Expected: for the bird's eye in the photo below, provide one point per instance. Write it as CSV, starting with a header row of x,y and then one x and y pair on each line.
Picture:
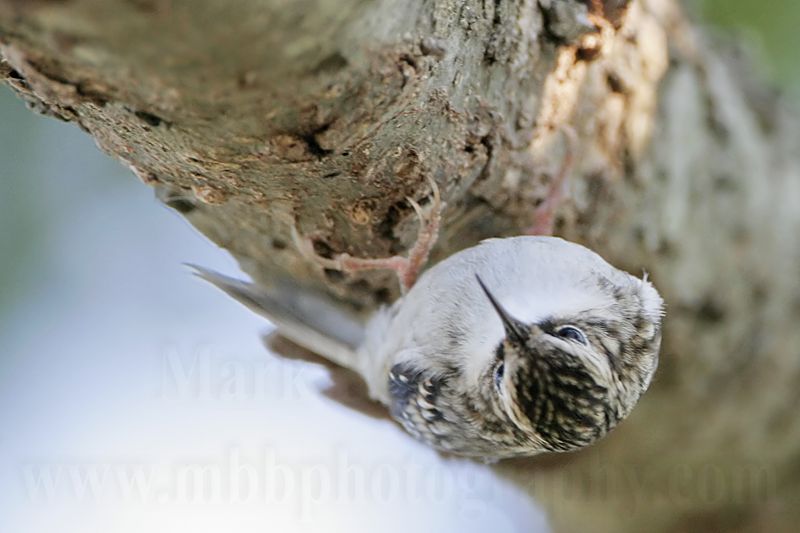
x,y
572,333
498,374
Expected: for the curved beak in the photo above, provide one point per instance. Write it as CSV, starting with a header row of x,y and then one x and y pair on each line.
x,y
514,328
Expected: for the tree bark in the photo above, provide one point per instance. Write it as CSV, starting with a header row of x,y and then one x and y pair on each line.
x,y
258,116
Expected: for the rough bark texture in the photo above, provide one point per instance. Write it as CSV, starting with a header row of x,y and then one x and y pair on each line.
x,y
255,116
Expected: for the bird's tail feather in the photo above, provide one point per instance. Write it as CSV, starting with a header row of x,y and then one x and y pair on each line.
x,y
304,318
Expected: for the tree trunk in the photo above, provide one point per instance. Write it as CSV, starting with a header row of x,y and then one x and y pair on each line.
x,y
258,116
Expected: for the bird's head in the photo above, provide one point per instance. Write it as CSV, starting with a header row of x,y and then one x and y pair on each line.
x,y
566,381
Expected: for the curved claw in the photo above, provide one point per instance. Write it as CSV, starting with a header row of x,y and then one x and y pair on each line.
x,y
544,215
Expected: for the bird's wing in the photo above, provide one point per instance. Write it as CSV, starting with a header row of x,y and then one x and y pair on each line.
x,y
304,318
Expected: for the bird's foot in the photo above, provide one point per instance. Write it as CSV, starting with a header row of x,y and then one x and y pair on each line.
x,y
544,215
407,268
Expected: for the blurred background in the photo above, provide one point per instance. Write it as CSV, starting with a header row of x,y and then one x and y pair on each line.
x,y
770,29
133,397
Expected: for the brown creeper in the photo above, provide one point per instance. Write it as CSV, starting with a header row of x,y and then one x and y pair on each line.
x,y
510,348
